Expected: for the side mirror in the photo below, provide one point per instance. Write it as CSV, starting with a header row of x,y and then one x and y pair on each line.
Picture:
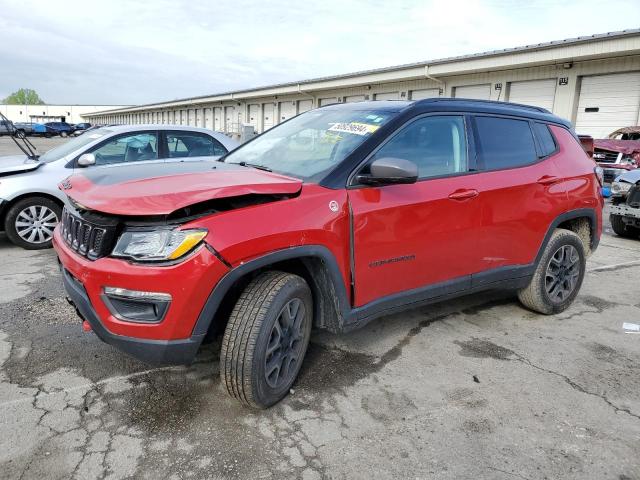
x,y
86,160
390,171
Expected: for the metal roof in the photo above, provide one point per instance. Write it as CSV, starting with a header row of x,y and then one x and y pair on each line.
x,y
439,61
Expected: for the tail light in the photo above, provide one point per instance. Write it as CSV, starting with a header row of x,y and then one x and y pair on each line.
x,y
599,173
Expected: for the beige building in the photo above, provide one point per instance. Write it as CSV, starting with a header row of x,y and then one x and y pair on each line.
x,y
592,81
52,113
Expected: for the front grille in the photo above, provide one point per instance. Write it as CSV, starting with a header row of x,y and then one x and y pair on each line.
x,y
605,156
88,239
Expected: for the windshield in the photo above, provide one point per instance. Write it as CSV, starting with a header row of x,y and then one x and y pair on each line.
x,y
311,144
72,145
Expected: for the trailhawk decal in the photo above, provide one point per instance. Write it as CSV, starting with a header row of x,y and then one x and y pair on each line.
x,y
386,261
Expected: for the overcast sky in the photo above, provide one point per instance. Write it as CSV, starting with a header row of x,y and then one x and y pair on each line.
x,y
125,52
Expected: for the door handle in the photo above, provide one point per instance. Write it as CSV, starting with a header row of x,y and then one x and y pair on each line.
x,y
548,180
463,194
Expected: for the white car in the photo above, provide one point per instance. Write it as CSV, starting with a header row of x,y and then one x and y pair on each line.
x,y
30,200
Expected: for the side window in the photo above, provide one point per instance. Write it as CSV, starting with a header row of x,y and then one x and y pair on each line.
x,y
437,145
127,148
545,139
193,144
504,143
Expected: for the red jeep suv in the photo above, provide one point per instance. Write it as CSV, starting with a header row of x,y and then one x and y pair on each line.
x,y
329,220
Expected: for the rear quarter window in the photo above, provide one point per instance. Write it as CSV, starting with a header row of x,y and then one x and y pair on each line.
x,y
545,139
504,143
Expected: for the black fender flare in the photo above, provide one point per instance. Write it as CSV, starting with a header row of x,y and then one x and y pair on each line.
x,y
221,289
590,213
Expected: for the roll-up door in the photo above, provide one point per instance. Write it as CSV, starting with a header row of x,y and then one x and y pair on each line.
x,y
254,114
305,105
539,93
328,101
267,116
387,96
287,110
425,93
608,102
480,92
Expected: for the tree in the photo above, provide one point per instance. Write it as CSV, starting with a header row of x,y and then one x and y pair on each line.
x,y
24,96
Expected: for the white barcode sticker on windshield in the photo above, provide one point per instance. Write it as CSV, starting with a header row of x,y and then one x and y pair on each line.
x,y
354,127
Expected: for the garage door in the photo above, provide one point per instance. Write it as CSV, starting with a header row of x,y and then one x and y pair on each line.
x,y
540,93
267,116
425,93
192,118
608,102
208,118
480,92
287,110
354,98
229,120
254,113
328,101
305,105
217,119
387,96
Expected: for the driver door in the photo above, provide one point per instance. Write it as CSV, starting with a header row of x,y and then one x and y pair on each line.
x,y
412,237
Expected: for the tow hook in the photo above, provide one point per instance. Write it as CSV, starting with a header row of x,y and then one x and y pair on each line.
x,y
86,326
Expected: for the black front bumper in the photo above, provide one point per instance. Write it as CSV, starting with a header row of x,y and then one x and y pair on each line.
x,y
160,352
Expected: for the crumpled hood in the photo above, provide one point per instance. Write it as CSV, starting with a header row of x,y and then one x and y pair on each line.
x,y
162,188
628,147
17,163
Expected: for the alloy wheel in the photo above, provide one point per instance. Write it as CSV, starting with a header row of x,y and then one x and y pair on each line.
x,y
35,224
562,273
285,344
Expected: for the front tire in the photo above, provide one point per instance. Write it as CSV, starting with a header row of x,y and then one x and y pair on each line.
x,y
621,229
30,222
64,134
558,276
266,339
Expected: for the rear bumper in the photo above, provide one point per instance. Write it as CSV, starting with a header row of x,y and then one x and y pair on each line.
x,y
158,352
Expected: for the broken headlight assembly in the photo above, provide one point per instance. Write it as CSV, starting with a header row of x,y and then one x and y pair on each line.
x,y
620,188
157,245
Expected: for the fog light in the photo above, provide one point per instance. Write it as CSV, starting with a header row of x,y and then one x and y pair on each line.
x,y
135,305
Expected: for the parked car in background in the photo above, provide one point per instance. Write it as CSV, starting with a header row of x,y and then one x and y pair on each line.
x,y
30,200
619,152
6,127
329,220
63,129
625,204
81,127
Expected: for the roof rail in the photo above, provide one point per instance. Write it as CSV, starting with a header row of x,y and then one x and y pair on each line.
x,y
491,102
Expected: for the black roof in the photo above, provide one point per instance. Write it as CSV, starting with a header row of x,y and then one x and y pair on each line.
x,y
446,104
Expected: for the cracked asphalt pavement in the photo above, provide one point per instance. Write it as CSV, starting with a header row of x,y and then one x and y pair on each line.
x,y
473,388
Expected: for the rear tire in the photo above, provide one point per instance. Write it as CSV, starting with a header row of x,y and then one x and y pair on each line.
x,y
558,276
621,229
266,339
42,213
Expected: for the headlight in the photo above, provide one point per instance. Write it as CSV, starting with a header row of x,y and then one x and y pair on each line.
x,y
157,245
620,187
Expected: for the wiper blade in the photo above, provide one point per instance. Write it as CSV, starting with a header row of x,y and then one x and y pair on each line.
x,y
254,165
